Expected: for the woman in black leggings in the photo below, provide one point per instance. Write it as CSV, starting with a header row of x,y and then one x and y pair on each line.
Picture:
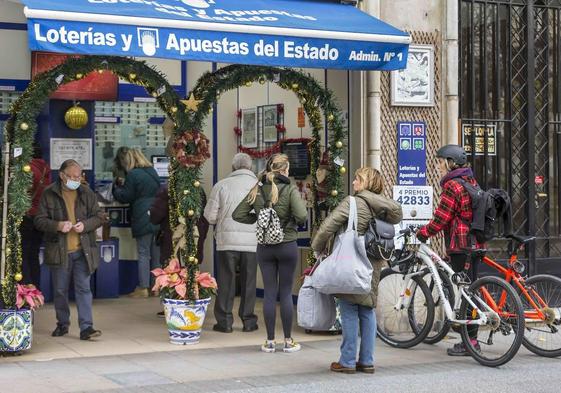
x,y
277,261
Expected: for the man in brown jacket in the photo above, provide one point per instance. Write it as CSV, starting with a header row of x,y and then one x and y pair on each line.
x,y
69,215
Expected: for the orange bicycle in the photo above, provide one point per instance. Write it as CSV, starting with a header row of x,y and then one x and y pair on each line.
x,y
540,296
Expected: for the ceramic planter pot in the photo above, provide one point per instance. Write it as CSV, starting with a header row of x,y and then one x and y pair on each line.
x,y
185,319
16,330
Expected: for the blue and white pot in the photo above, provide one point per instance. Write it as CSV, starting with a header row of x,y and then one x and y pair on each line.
x,y
184,319
16,330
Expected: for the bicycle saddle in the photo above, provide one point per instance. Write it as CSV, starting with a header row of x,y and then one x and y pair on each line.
x,y
521,239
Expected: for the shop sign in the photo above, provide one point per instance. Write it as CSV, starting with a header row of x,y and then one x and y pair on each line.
x,y
416,201
411,153
481,132
79,149
539,180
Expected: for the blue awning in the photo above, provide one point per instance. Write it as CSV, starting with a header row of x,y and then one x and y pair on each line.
x,y
286,33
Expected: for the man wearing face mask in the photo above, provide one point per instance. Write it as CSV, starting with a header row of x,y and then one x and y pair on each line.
x,y
69,215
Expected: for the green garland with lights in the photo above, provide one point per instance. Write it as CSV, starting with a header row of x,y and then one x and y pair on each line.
x,y
184,182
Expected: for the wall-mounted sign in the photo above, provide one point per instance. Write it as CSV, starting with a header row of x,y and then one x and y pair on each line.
x,y
63,149
416,201
481,132
411,153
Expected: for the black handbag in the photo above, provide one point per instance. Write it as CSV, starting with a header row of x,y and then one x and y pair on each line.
x,y
378,238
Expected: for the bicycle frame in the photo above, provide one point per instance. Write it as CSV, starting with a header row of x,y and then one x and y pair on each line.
x,y
431,260
512,276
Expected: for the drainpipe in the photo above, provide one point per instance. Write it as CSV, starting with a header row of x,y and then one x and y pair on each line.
x,y
452,73
373,106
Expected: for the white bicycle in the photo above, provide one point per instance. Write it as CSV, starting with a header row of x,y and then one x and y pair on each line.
x,y
487,311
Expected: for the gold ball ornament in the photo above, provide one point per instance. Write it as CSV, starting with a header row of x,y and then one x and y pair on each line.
x,y
27,168
79,76
192,259
262,81
100,71
76,117
334,193
8,250
303,100
248,84
342,170
173,109
191,213
24,126
186,192
339,144
331,117
155,95
295,86
132,76
197,183
196,260
18,277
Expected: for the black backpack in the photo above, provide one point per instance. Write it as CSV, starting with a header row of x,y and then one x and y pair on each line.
x,y
379,237
488,208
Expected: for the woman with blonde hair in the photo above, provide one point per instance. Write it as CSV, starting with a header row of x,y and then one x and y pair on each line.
x,y
357,311
276,261
139,190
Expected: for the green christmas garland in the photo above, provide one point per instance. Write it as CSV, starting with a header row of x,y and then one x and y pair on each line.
x,y
184,182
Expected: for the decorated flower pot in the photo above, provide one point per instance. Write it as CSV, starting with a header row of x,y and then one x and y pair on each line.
x,y
184,319
16,330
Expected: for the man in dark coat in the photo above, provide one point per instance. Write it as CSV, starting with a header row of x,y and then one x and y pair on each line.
x,y
69,216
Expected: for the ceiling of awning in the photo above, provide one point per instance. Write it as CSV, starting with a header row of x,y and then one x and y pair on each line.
x,y
289,33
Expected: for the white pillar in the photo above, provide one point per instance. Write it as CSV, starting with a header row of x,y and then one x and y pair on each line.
x,y
452,73
373,106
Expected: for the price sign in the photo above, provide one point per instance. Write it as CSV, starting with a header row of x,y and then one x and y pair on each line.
x,y
416,201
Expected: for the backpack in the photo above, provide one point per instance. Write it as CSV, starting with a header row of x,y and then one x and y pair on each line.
x,y
379,238
269,229
487,207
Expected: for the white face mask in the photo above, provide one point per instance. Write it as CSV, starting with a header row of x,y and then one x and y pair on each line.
x,y
72,184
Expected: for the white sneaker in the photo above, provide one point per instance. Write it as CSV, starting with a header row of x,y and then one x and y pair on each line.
x,y
269,346
291,346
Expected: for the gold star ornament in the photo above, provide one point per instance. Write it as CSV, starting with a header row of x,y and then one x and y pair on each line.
x,y
192,104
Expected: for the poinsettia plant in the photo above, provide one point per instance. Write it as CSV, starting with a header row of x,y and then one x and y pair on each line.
x,y
172,281
28,296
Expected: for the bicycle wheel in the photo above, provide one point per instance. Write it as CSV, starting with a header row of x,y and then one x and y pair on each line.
x,y
441,325
394,326
543,337
496,342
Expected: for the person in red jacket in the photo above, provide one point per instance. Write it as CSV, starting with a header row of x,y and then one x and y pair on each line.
x,y
453,217
31,238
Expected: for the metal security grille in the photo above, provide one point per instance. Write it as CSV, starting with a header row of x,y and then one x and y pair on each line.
x,y
510,91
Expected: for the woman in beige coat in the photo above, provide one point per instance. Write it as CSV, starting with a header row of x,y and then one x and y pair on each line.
x,y
357,311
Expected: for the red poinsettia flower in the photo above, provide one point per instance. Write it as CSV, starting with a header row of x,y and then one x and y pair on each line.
x,y
205,280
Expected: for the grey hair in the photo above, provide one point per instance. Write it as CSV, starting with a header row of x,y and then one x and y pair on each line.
x,y
241,161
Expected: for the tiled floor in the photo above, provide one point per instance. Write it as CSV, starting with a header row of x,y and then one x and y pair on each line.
x,y
130,326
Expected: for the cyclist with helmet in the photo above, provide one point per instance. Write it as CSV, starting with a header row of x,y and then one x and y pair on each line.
x,y
453,217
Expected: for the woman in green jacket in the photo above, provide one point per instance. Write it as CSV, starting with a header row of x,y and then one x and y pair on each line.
x,y
357,311
139,189
276,261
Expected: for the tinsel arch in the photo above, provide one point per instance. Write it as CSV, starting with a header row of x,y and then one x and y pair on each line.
x,y
184,187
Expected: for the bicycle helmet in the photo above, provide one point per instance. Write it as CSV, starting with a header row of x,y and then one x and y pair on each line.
x,y
453,152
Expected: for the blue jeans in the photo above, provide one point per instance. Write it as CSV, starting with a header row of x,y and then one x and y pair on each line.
x,y
78,269
353,318
148,258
